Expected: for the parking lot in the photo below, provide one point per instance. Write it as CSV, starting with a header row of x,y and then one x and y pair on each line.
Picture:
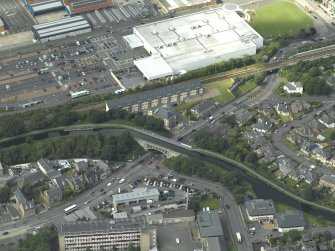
x,y
15,16
167,235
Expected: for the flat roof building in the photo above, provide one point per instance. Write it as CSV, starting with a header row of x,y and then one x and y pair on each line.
x,y
79,6
260,209
2,25
157,97
98,235
66,27
193,41
137,195
209,224
44,7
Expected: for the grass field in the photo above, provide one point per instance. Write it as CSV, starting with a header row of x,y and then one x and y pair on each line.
x,y
280,18
213,204
187,105
222,87
247,87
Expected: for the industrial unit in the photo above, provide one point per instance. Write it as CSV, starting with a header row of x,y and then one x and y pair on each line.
x,y
73,7
137,195
70,26
195,40
43,7
157,97
101,235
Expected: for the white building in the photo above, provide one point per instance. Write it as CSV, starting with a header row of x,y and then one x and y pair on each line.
x,y
137,195
193,41
258,210
294,87
290,221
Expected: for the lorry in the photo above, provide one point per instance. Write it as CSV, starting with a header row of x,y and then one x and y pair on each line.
x,y
238,237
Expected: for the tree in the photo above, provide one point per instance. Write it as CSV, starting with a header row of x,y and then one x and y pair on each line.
x,y
251,158
97,116
13,126
4,194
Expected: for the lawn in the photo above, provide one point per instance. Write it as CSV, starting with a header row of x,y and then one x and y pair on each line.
x,y
280,18
186,105
247,87
222,87
213,204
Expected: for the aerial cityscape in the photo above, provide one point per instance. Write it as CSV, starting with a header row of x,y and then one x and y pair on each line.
x,y
167,125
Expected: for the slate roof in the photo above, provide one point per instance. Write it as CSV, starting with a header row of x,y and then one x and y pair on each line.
x,y
260,207
164,113
290,220
153,94
209,224
203,106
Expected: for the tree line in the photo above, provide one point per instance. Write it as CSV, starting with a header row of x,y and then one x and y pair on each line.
x,y
106,147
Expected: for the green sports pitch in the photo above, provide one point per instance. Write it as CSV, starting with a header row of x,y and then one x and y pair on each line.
x,y
279,19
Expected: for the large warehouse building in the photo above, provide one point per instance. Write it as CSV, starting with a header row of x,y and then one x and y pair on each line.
x,y
38,7
73,7
71,26
195,40
137,195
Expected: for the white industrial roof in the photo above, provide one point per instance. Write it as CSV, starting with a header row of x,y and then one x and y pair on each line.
x,y
46,5
153,67
133,41
1,22
196,40
137,193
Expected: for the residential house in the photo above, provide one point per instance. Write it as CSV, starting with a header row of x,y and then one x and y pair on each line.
x,y
285,164
283,109
6,180
1,169
294,88
60,181
81,166
52,196
46,167
307,147
204,108
262,125
327,121
304,131
309,176
26,208
270,153
323,247
299,105
331,81
167,115
290,221
316,126
76,183
31,178
267,110
295,138
242,116
308,246
102,169
328,181
321,154
260,210
12,212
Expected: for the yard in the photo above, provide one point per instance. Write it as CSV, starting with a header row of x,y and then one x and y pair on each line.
x,y
247,87
187,105
280,18
222,87
213,204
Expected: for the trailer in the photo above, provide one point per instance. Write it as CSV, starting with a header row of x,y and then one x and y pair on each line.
x,y
79,94
238,237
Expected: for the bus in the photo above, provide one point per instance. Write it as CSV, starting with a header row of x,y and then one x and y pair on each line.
x,y
79,94
70,209
43,71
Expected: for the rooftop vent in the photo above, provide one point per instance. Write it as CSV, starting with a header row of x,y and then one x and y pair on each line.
x,y
154,32
205,21
172,28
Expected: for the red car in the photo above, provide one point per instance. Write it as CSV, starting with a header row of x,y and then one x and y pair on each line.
x,y
150,162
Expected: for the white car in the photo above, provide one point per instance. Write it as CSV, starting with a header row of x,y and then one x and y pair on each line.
x,y
177,240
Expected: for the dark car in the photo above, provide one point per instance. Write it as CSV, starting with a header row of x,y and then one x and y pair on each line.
x,y
227,206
